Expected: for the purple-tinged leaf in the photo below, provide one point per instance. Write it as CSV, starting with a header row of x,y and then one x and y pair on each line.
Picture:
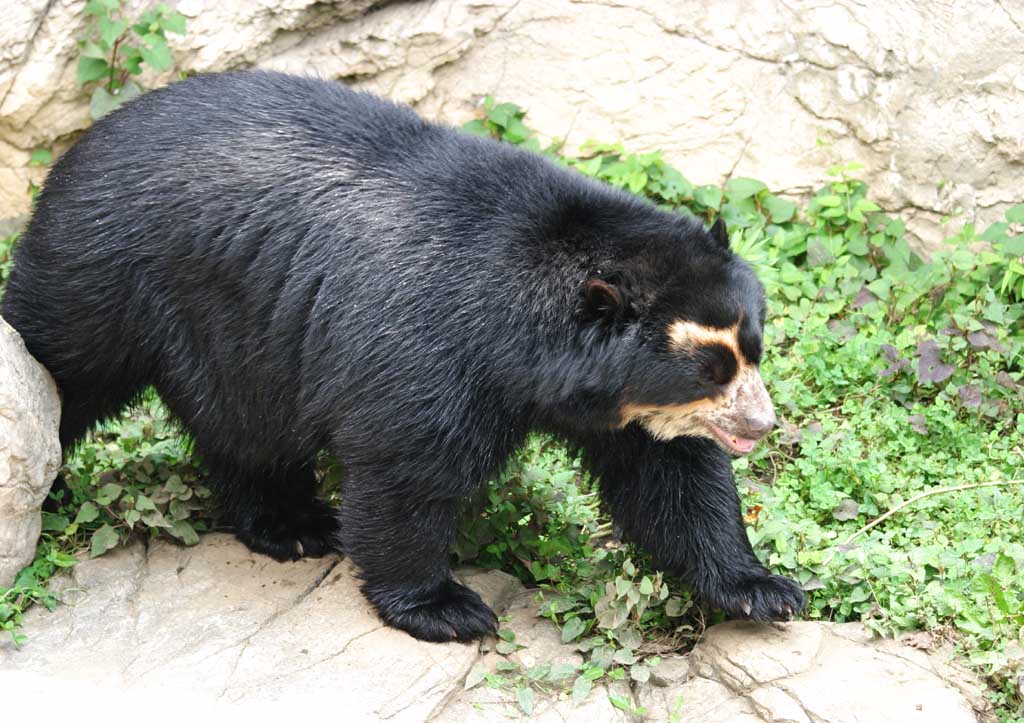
x,y
846,510
984,340
893,368
896,364
1006,380
917,423
970,395
930,367
843,329
863,298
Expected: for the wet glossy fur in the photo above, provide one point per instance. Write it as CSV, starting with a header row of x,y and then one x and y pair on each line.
x,y
298,267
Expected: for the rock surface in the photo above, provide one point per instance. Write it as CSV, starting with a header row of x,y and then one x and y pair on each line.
x,y
29,450
214,627
926,95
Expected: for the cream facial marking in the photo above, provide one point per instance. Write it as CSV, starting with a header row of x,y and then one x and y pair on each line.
x,y
687,335
736,418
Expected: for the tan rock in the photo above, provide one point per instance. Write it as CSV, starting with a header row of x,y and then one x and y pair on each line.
x,y
215,628
926,96
805,672
29,450
219,624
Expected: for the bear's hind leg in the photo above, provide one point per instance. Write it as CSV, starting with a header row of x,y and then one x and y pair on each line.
x,y
276,512
401,543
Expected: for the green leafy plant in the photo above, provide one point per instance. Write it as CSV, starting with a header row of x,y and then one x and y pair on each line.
x,y
113,53
6,258
134,474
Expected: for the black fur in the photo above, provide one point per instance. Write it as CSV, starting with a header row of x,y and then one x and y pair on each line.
x,y
295,267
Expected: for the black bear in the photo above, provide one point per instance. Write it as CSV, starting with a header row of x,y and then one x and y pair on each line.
x,y
298,267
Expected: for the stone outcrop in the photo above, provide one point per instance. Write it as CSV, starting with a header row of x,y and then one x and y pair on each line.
x,y
29,450
926,95
212,627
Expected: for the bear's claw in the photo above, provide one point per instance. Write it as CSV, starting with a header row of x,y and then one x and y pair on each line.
x,y
762,598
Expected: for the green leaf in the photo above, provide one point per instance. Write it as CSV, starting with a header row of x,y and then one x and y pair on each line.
x,y
708,196
61,559
91,69
54,523
476,127
503,114
155,52
102,7
524,697
619,701
865,206
779,209
640,673
110,29
737,189
102,102
506,648
995,232
172,22
561,671
105,538
131,59
1013,246
829,201
646,586
184,531
108,493
516,132
87,513
1015,214
624,657
155,518
573,628
581,688
41,157
475,676
90,49
174,485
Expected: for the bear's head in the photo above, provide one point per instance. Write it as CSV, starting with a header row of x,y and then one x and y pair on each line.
x,y
692,314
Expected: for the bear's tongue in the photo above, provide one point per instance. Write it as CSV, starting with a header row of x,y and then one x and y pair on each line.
x,y
740,445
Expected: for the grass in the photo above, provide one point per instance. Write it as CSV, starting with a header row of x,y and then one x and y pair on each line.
x,y
898,381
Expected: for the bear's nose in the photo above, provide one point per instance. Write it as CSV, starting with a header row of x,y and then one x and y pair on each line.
x,y
758,427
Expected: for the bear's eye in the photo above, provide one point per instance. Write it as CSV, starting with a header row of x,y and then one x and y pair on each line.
x,y
717,363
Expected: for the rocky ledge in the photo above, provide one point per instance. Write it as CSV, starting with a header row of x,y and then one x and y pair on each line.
x,y
216,627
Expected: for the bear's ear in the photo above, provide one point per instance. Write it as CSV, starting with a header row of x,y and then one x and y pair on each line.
x,y
719,233
602,300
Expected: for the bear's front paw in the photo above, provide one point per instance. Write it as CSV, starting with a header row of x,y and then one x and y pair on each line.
x,y
763,598
451,612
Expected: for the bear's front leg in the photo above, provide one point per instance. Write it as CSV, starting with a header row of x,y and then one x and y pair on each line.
x,y
678,501
400,542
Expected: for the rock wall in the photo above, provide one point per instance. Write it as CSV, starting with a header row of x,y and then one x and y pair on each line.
x,y
928,96
29,450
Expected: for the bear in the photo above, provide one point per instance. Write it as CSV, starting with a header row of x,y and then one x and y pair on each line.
x,y
296,266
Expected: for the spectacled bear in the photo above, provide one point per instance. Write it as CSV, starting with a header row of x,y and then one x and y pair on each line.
x,y
297,267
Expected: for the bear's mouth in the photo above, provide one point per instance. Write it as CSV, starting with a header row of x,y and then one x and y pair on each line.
x,y
732,442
